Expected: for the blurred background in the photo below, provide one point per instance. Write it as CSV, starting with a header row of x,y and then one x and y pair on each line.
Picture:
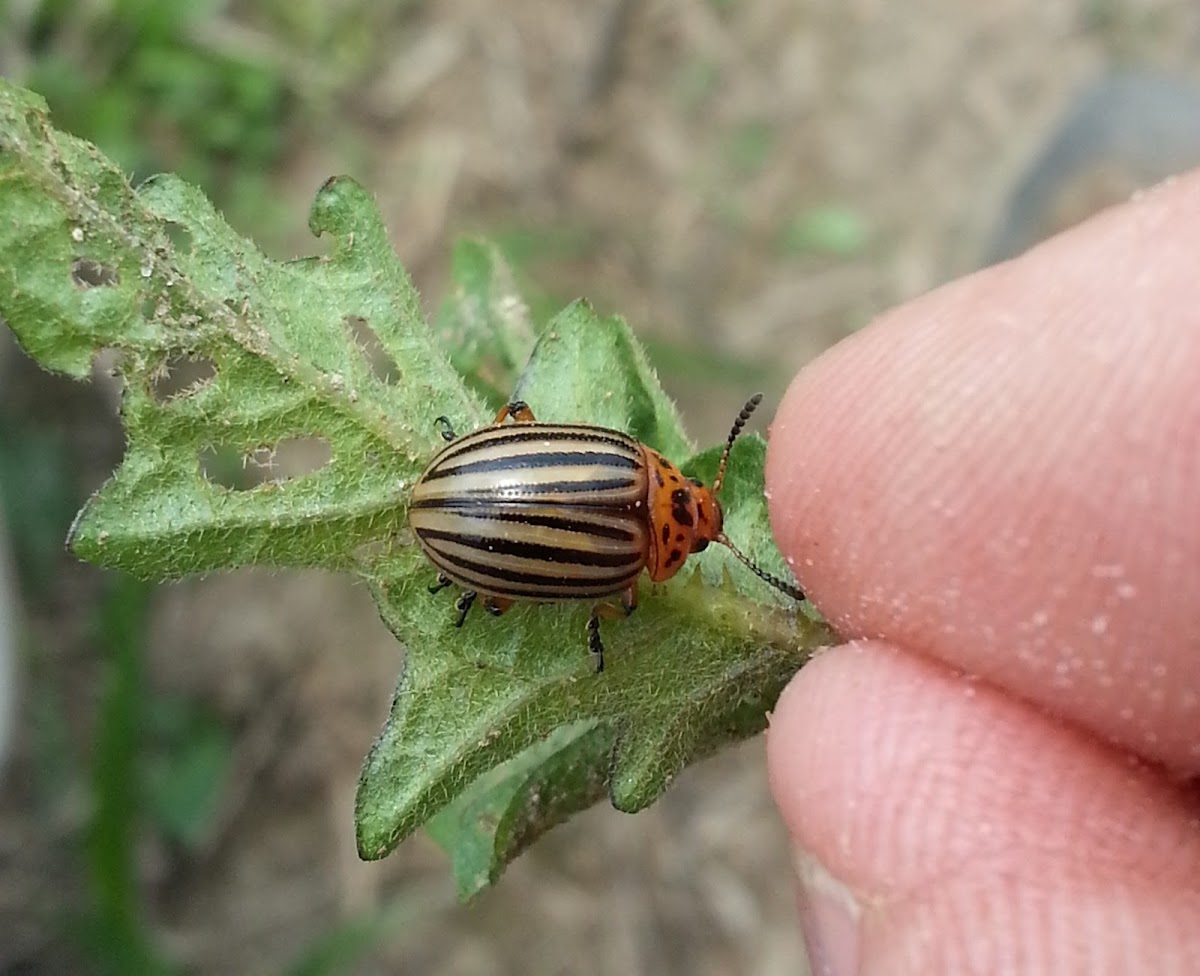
x,y
745,182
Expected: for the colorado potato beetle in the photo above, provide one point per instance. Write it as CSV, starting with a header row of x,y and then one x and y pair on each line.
x,y
541,511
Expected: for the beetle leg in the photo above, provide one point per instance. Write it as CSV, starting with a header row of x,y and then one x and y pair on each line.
x,y
442,582
595,645
629,598
518,410
445,429
629,602
463,606
496,605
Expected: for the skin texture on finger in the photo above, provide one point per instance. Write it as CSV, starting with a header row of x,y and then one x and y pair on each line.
x,y
974,833
1005,475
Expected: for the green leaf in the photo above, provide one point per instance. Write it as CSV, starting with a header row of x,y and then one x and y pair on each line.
x,y
185,768
227,353
88,263
831,230
698,665
485,324
504,810
591,370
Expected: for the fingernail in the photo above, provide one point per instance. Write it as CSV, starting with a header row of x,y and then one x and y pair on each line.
x,y
829,919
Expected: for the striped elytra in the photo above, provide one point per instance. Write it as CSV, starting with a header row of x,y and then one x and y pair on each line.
x,y
541,511
535,511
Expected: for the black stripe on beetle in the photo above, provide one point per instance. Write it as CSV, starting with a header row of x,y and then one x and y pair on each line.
x,y
563,459
514,436
542,585
482,509
508,491
535,550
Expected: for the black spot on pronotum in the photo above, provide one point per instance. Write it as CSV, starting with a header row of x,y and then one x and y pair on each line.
x,y
666,534
87,273
678,538
658,478
674,557
679,506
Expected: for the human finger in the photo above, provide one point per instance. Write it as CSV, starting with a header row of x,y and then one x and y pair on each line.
x,y
1005,475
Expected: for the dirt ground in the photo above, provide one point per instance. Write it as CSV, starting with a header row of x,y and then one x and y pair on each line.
x,y
671,145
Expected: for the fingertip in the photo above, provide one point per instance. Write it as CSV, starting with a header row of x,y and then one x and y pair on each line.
x,y
960,825
789,464
1002,475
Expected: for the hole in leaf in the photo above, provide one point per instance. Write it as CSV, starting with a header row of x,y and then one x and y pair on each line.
x,y
267,464
181,375
382,365
295,457
92,274
222,465
237,305
179,236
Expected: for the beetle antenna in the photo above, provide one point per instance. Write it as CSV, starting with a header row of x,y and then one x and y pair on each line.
x,y
738,424
791,589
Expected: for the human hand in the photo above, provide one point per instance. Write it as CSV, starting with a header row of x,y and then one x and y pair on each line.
x,y
993,494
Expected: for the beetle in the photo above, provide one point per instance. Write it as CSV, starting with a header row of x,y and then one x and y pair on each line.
x,y
535,511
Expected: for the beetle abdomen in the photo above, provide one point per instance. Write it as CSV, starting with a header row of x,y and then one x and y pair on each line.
x,y
535,511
